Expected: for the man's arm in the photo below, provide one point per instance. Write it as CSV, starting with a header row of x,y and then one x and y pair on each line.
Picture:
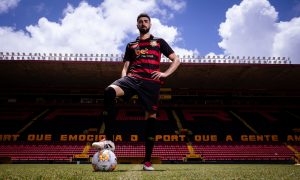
x,y
174,65
125,68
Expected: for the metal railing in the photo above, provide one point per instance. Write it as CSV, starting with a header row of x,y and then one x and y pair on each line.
x,y
217,59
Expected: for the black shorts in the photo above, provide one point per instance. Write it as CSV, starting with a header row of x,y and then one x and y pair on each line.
x,y
147,91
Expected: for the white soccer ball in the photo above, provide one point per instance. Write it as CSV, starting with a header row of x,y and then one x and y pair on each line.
x,y
104,160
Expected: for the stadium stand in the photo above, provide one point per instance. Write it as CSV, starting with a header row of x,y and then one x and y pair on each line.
x,y
244,152
219,111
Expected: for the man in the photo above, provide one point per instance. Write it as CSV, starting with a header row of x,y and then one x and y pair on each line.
x,y
141,75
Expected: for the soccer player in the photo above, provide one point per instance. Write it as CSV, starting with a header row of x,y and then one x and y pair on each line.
x,y
141,76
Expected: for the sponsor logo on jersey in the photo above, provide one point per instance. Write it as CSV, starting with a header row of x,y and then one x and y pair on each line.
x,y
141,51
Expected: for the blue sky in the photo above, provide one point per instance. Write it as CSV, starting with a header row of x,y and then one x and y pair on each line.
x,y
201,27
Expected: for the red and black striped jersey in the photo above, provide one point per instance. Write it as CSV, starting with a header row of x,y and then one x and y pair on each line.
x,y
145,55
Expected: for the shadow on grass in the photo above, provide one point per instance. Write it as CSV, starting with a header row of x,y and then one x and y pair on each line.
x,y
160,170
115,171
121,171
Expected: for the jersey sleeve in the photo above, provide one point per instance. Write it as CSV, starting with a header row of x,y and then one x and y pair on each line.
x,y
127,54
165,48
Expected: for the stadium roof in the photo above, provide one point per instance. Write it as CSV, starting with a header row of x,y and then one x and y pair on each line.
x,y
97,75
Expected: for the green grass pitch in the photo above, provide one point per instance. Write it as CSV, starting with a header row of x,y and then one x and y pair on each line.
x,y
163,171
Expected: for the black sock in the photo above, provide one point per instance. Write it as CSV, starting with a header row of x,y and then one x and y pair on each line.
x,y
150,138
108,114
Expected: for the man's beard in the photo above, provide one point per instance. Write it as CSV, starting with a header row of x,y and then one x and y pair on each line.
x,y
144,31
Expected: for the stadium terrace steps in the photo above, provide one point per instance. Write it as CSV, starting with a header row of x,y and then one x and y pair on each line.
x,y
165,151
14,118
244,152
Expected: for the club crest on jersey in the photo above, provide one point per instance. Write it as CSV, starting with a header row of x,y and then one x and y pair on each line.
x,y
153,43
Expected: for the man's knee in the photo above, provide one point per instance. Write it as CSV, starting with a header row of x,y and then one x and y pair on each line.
x,y
109,96
109,93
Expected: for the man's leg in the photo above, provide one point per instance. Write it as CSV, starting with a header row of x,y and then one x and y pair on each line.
x,y
109,113
149,140
149,94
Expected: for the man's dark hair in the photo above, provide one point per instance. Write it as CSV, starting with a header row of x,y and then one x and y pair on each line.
x,y
143,15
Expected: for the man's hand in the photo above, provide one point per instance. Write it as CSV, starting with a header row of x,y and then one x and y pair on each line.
x,y
156,75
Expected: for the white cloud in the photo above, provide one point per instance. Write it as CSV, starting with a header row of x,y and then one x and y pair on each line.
x,y
168,33
248,26
16,38
171,6
174,4
5,5
183,52
251,28
287,40
87,29
211,54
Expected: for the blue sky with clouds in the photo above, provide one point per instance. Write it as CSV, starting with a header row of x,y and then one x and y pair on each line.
x,y
201,27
